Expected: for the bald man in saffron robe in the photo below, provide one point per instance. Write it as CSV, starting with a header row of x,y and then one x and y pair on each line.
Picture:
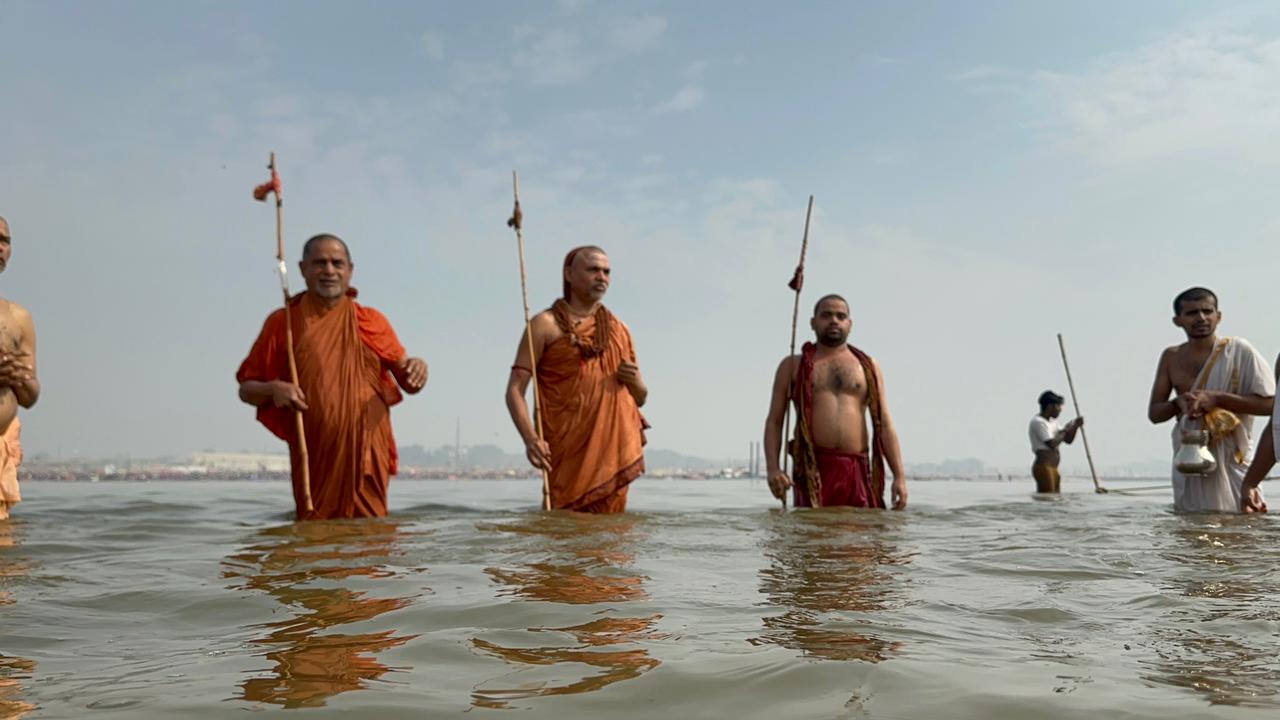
x,y
589,392
351,369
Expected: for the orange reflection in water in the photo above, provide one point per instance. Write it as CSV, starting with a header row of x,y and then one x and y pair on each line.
x,y
582,560
13,670
297,564
826,569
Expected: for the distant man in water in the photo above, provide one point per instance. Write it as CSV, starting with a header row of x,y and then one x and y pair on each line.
x,y
835,386
18,382
589,393
351,369
1046,436
1218,384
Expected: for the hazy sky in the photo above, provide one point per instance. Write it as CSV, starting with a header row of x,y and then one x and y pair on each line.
x,y
986,175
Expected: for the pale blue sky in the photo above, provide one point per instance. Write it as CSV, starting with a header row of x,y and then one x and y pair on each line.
x,y
986,175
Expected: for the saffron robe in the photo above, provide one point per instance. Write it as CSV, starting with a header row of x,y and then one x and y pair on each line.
x,y
810,485
1241,370
10,458
589,418
344,355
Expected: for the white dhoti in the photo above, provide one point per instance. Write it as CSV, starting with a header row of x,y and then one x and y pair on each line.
x,y
1239,370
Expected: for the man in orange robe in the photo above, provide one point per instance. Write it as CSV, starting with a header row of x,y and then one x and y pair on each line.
x,y
351,368
18,383
589,393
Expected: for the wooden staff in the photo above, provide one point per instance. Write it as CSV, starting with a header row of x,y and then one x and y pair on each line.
x,y
517,223
260,193
1097,487
797,284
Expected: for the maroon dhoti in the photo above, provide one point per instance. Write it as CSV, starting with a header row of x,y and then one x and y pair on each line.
x,y
846,480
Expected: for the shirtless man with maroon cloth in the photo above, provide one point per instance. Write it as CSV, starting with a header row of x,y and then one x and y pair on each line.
x,y
839,457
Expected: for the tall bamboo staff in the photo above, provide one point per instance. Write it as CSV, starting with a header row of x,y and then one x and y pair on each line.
x,y
517,223
260,193
1097,487
796,284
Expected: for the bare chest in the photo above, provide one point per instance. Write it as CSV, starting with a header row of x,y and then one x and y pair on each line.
x,y
840,377
10,333
1185,369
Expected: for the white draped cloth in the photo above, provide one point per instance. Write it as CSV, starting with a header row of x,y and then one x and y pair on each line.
x,y
1239,370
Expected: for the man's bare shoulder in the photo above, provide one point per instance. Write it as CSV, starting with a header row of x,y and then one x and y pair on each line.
x,y
544,318
544,326
789,365
14,310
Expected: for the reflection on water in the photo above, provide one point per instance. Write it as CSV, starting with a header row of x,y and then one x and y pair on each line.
x,y
579,560
826,568
308,567
13,670
1215,645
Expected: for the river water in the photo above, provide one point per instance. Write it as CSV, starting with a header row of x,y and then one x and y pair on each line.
x,y
159,600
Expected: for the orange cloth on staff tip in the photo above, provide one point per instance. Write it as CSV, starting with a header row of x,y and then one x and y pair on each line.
x,y
344,354
591,422
10,459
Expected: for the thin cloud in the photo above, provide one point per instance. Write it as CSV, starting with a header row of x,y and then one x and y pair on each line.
x,y
685,99
1205,93
433,45
635,35
551,56
568,53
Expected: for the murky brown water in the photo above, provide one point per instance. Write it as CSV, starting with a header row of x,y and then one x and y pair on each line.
x,y
185,599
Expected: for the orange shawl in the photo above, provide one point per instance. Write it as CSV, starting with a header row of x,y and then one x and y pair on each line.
x,y
592,423
344,354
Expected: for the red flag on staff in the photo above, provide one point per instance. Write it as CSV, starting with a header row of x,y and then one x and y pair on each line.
x,y
271,186
797,280
517,218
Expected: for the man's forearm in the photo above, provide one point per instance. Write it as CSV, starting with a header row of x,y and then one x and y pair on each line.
x,y
1162,411
893,455
519,411
1245,404
640,393
27,392
772,444
1264,458
256,392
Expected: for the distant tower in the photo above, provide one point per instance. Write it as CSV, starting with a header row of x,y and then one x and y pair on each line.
x,y
457,444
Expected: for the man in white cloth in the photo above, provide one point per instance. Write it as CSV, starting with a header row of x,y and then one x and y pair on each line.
x,y
1046,436
1218,384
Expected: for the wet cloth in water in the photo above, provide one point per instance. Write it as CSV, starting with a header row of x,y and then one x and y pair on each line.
x,y
846,480
10,458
